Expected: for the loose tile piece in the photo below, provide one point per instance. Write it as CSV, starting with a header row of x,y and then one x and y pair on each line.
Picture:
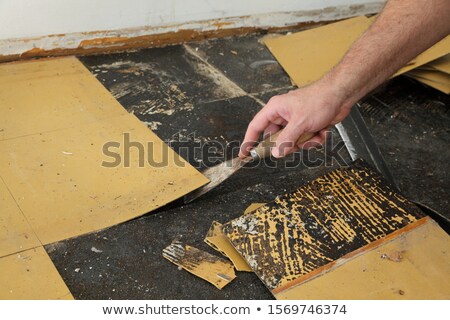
x,y
303,234
31,275
216,240
253,207
100,168
433,78
215,270
308,55
412,266
441,64
15,232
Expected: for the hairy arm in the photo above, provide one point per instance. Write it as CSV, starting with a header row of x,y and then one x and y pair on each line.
x,y
403,30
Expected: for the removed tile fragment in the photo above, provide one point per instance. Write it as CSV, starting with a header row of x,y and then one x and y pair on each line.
x,y
442,64
31,275
433,78
213,269
445,88
432,75
304,234
307,55
253,207
217,240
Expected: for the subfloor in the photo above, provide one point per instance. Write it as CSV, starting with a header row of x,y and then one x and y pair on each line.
x,y
206,93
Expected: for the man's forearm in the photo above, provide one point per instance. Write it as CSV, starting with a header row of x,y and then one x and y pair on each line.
x,y
403,30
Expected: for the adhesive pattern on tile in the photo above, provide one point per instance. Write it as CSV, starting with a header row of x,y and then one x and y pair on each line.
x,y
325,220
213,269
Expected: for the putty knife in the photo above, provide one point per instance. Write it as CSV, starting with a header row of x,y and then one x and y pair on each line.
x,y
224,170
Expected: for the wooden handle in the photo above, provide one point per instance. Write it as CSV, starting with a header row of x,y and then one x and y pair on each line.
x,y
263,149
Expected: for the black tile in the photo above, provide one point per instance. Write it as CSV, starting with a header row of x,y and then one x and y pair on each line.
x,y
246,61
410,123
265,96
159,79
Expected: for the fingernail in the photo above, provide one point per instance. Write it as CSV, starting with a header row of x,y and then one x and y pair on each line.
x,y
276,152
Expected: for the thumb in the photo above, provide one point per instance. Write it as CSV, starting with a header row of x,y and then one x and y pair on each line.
x,y
287,140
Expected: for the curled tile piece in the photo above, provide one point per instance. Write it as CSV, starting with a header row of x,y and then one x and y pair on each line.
x,y
213,269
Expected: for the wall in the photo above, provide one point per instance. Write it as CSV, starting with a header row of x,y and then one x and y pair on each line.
x,y
27,26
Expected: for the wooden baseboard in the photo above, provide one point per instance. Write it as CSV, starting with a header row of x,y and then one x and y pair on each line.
x,y
120,44
97,42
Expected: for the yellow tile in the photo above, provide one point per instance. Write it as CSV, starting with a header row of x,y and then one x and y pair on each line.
x,y
31,275
46,95
433,78
445,88
438,50
56,117
253,207
15,232
308,55
432,75
58,180
412,266
215,270
217,240
441,64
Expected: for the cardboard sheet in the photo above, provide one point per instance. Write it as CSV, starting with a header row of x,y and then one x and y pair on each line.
x,y
215,270
15,232
414,265
56,119
323,224
308,55
219,242
31,275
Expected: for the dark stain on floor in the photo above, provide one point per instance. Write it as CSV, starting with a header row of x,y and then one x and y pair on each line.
x,y
208,91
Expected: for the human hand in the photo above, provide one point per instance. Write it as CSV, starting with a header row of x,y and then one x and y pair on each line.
x,y
310,109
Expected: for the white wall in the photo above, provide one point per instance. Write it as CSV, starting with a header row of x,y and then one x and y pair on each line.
x,y
39,18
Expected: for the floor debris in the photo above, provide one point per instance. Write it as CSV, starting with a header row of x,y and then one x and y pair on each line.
x,y
213,269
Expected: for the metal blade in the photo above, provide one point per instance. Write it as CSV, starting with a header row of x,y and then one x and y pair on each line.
x,y
217,175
